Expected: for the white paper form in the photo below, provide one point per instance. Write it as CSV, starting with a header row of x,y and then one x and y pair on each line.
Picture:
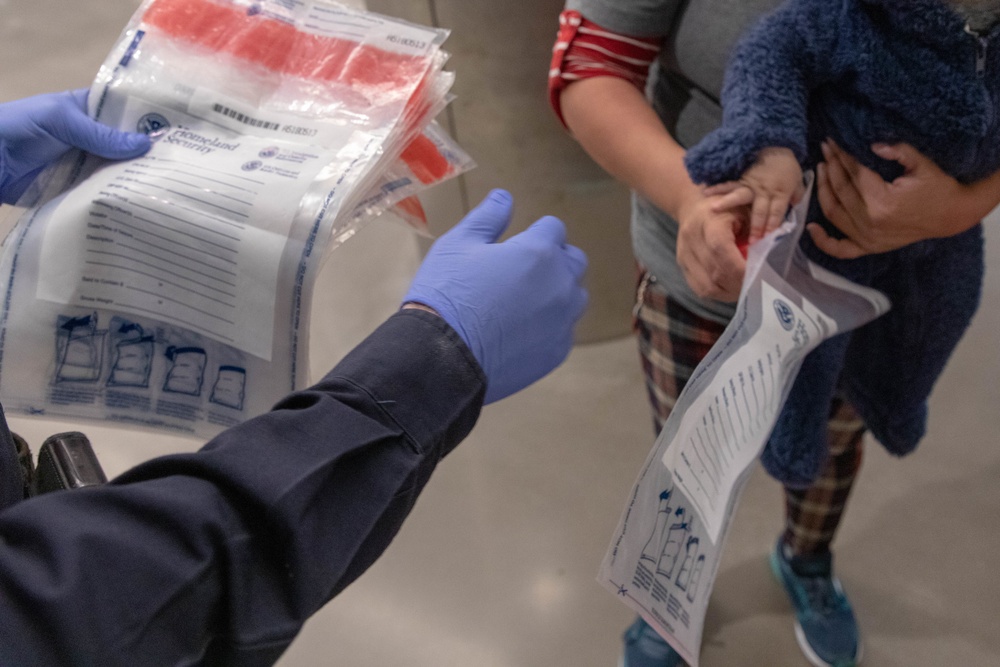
x,y
666,551
192,233
722,432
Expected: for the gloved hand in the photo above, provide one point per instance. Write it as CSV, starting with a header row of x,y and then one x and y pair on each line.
x,y
37,130
513,303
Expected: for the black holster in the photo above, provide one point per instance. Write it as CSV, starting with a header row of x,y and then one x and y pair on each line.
x,y
65,461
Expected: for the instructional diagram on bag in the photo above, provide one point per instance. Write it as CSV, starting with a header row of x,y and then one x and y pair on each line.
x,y
675,560
672,542
122,366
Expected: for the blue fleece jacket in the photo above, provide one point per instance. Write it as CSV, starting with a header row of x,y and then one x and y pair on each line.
x,y
860,72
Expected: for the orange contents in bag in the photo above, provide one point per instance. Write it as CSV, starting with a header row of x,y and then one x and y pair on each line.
x,y
249,35
425,160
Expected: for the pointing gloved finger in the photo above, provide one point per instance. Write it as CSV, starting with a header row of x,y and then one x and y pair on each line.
x,y
487,221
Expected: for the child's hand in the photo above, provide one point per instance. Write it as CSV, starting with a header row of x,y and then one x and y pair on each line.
x,y
771,185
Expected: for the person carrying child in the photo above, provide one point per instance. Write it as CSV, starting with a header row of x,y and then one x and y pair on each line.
x,y
893,101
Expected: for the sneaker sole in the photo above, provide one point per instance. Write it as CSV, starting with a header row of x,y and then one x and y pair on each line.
x,y
800,635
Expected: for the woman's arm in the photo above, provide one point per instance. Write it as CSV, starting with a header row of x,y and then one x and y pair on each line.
x,y
616,125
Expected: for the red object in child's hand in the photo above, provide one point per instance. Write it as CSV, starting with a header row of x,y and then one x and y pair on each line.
x,y
743,240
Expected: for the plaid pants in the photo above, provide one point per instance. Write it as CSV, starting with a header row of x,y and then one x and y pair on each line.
x,y
672,341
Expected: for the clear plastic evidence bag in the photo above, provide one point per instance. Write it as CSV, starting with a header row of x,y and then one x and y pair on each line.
x,y
665,552
173,291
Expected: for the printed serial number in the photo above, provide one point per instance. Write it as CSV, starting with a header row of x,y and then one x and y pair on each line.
x,y
407,41
301,131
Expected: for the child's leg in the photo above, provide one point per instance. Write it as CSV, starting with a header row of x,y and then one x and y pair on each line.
x,y
812,515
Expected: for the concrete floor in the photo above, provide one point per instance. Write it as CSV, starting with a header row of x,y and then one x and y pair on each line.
x,y
496,566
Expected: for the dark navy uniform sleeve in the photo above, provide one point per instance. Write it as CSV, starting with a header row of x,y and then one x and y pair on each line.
x,y
218,557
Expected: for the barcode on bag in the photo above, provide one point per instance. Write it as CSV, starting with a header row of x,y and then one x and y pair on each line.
x,y
243,118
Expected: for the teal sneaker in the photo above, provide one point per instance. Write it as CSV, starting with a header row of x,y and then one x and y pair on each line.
x,y
824,622
643,647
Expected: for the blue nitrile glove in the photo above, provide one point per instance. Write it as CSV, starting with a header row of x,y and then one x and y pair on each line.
x,y
513,303
35,131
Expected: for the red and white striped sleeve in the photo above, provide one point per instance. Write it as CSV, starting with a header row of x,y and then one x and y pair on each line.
x,y
584,49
